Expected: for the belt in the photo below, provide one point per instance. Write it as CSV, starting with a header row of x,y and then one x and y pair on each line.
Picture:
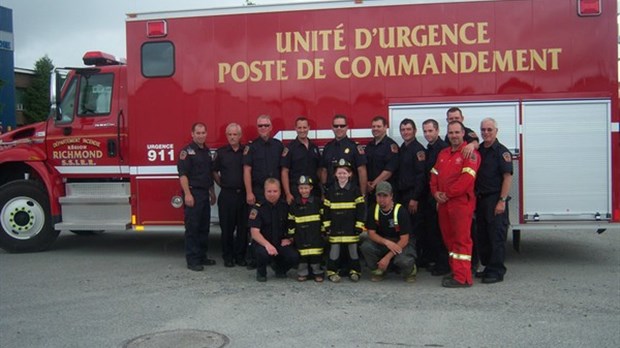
x,y
232,189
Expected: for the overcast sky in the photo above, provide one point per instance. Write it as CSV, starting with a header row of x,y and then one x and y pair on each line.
x,y
65,29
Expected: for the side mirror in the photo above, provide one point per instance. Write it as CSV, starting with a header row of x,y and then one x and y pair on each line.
x,y
55,88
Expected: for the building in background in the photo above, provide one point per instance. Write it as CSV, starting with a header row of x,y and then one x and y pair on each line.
x,y
7,74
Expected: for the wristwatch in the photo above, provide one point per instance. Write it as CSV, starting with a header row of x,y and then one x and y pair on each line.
x,y
504,199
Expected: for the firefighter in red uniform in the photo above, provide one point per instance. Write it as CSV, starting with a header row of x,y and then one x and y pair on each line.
x,y
452,185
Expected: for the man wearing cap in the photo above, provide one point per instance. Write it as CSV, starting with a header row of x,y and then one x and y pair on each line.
x,y
492,188
305,228
389,237
452,185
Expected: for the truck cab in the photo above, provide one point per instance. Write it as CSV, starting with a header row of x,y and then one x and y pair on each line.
x,y
69,172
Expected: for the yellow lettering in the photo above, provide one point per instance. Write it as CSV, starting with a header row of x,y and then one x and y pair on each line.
x,y
338,68
363,38
430,64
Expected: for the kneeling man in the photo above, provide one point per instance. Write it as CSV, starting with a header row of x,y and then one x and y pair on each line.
x,y
390,238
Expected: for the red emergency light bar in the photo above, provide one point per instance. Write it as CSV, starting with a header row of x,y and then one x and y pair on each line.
x,y
98,58
589,7
156,28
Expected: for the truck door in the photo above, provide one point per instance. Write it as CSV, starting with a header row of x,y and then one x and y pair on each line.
x,y
567,160
84,140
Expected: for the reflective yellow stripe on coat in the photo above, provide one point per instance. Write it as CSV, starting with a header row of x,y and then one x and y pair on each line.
x,y
344,239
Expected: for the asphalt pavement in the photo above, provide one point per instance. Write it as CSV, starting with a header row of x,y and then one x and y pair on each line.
x,y
561,290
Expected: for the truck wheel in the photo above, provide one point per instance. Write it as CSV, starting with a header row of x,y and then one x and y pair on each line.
x,y
25,217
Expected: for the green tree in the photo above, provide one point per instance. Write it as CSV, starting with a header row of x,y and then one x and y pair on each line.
x,y
36,98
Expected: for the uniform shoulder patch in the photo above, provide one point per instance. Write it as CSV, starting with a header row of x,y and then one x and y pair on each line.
x,y
421,155
253,214
394,148
183,155
473,157
246,150
360,149
285,152
507,157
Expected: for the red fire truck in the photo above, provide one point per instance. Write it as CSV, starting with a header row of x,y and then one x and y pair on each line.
x,y
546,70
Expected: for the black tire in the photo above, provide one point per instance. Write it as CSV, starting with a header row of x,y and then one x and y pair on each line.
x,y
88,232
25,219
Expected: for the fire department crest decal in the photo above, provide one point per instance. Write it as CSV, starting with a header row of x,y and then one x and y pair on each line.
x,y
421,156
507,157
253,214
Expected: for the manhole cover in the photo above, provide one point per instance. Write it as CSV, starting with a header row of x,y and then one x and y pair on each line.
x,y
179,338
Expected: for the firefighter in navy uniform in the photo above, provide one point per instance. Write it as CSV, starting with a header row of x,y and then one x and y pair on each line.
x,y
268,223
381,157
232,208
261,160
305,227
492,187
195,168
342,147
344,210
300,157
436,248
391,239
412,184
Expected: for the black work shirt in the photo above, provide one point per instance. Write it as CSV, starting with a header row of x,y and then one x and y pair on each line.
x,y
346,149
432,151
381,156
270,219
195,163
469,136
301,161
264,158
496,161
229,163
386,226
412,172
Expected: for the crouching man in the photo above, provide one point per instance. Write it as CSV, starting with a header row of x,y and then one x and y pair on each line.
x,y
268,227
390,238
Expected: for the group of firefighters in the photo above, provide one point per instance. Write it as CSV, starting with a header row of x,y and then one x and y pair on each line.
x,y
417,204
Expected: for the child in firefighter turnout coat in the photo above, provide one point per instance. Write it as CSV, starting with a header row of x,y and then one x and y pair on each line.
x,y
344,208
306,229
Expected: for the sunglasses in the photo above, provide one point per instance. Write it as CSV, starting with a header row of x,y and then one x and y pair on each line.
x,y
339,125
486,129
264,125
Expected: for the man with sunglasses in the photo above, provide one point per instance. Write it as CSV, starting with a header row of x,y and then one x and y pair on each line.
x,y
261,160
492,187
342,147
